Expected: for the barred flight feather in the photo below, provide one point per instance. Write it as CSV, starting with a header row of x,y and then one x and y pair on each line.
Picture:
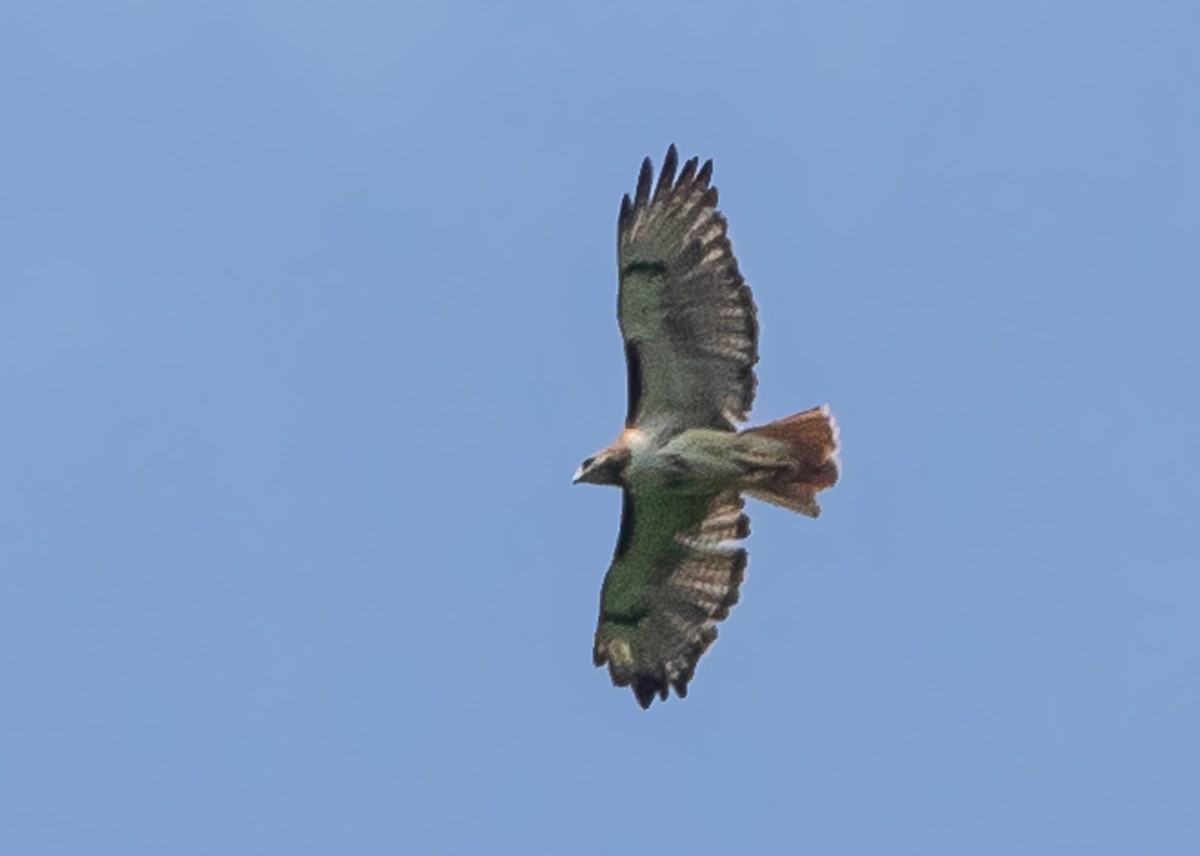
x,y
678,621
695,303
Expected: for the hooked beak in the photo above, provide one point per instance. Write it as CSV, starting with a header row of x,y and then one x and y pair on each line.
x,y
603,468
586,472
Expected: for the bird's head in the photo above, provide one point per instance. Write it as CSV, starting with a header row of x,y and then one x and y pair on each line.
x,y
604,467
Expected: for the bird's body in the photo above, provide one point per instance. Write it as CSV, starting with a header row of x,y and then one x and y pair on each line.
x,y
699,460
691,342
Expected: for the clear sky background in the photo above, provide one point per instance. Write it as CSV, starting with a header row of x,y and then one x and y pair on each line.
x,y
307,317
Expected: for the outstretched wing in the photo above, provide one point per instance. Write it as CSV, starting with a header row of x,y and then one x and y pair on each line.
x,y
674,575
688,319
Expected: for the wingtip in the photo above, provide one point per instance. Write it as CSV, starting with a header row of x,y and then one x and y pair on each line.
x,y
666,178
688,173
646,687
626,213
645,178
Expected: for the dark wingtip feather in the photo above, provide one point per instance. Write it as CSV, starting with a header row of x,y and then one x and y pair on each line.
x,y
680,684
645,177
666,178
646,687
626,213
689,172
705,175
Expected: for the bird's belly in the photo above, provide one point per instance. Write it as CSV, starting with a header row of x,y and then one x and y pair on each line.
x,y
695,461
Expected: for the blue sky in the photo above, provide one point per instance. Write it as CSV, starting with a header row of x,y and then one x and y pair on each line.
x,y
307,317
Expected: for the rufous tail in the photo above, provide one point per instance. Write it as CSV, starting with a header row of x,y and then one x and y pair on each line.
x,y
812,441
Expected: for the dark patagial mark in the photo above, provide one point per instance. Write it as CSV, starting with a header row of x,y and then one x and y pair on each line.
x,y
633,368
625,534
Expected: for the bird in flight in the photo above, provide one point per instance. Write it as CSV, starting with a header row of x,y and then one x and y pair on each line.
x,y
691,343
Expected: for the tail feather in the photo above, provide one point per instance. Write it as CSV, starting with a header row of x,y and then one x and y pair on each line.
x,y
811,438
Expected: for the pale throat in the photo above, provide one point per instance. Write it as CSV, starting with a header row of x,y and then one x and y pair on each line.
x,y
634,439
642,453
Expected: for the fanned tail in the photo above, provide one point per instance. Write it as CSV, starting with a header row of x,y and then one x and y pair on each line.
x,y
811,438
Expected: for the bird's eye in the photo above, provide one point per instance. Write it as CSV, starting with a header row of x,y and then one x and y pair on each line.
x,y
586,465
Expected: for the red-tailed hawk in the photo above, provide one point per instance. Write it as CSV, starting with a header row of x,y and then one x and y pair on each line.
x,y
691,343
